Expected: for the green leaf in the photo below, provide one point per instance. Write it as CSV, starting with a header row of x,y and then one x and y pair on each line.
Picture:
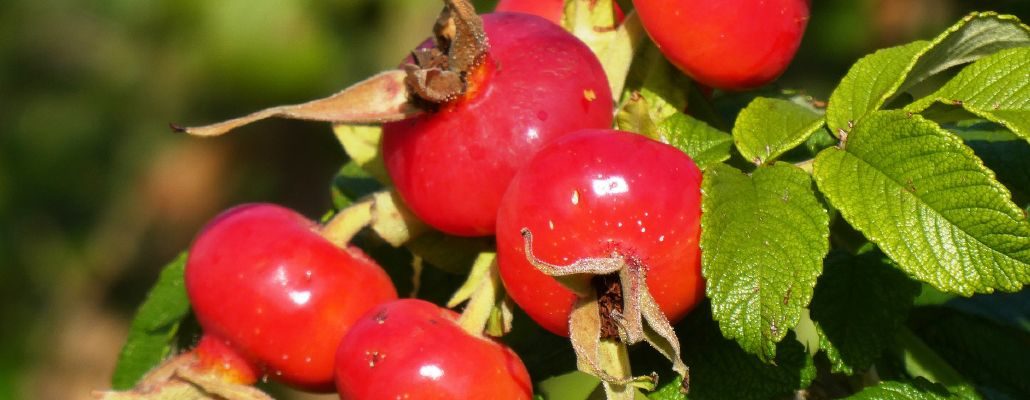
x,y
988,354
661,84
763,238
153,330
858,304
767,128
878,77
593,22
574,385
976,35
996,88
704,144
920,194
869,84
919,389
361,143
719,369
352,183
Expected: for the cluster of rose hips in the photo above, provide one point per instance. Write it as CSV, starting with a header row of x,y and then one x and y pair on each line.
x,y
519,145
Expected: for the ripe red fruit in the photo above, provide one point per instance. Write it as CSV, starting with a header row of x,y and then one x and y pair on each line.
x,y
538,82
729,44
413,349
275,297
594,192
550,9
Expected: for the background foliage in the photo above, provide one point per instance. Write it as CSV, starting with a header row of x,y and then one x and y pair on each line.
x,y
96,194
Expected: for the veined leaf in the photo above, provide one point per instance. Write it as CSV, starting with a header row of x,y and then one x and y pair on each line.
x,y
920,194
153,330
768,127
868,85
996,88
878,77
976,35
858,304
763,239
704,144
919,389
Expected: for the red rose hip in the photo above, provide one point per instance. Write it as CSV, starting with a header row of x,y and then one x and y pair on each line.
x,y
538,82
594,193
274,297
413,349
726,44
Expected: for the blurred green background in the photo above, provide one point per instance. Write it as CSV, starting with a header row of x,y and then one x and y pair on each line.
x,y
96,193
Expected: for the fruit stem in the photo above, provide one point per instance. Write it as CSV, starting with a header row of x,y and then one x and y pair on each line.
x,y
342,227
485,279
614,358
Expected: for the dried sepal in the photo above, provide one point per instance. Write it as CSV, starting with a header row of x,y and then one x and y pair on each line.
x,y
439,74
181,378
381,98
638,319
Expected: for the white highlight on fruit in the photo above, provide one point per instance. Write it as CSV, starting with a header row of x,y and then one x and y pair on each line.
x,y
300,297
612,185
431,371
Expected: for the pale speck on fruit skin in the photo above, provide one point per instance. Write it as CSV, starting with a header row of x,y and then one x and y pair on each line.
x,y
575,197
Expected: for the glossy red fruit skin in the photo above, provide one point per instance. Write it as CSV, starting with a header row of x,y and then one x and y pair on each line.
x,y
550,9
451,166
413,349
727,44
594,192
263,282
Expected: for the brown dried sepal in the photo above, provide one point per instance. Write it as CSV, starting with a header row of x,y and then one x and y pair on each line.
x,y
439,74
636,319
181,378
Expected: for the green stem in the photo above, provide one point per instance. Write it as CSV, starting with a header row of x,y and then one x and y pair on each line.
x,y
348,222
921,361
482,301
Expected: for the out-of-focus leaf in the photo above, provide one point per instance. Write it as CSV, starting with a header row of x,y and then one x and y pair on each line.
x,y
859,303
152,334
720,369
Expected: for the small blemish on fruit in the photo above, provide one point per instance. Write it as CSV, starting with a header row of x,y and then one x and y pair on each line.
x,y
278,373
307,275
550,224
642,230
307,360
661,238
380,317
589,95
542,115
373,358
575,197
286,357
